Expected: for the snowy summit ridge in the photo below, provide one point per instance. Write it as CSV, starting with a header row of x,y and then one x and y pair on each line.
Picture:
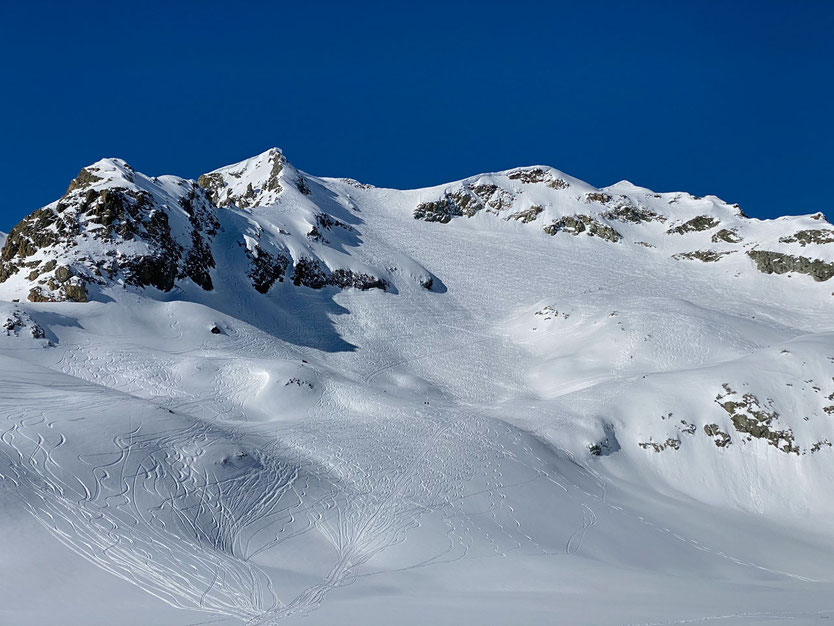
x,y
115,226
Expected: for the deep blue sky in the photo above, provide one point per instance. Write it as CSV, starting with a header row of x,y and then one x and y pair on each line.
x,y
731,98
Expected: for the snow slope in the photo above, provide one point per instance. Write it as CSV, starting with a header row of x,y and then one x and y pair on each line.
x,y
267,397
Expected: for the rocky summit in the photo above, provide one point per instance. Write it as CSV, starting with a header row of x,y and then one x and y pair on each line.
x,y
270,397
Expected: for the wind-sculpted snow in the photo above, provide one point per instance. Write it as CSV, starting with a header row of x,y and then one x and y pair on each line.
x,y
512,399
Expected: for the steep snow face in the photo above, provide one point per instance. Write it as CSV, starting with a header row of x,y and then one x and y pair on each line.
x,y
303,400
258,181
294,227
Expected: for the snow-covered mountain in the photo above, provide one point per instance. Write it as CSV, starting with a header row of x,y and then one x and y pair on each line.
x,y
514,398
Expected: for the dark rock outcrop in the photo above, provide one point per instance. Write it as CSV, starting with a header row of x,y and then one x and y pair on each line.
x,y
696,224
769,262
577,224
804,237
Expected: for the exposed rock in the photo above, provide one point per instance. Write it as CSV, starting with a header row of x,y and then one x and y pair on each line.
x,y
109,216
463,202
214,184
442,211
549,312
265,268
37,230
751,417
538,175
576,224
527,215
355,183
19,321
726,235
492,196
816,447
220,189
328,222
778,263
298,383
805,237
721,439
707,256
343,278
670,443
277,160
302,186
76,292
598,196
627,212
84,179
687,428
198,261
63,274
309,273
700,223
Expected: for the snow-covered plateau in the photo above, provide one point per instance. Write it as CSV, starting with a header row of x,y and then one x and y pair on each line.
x,y
268,397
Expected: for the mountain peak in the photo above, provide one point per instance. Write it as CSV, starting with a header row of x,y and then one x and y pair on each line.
x,y
103,172
252,182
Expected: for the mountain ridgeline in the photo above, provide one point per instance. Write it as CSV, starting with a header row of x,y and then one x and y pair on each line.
x,y
118,228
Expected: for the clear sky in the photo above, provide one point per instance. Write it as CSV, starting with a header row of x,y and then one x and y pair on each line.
x,y
730,98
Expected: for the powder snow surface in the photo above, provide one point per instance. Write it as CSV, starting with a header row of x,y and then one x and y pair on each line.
x,y
529,441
